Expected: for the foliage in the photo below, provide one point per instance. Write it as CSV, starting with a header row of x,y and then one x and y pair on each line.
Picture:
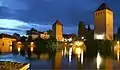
x,y
16,35
118,33
81,29
49,32
23,38
14,48
31,31
46,46
104,46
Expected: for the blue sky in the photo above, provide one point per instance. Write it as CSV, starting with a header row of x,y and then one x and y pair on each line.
x,y
21,15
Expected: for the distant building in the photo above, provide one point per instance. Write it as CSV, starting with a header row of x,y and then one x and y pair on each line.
x,y
57,30
103,23
67,38
35,35
6,43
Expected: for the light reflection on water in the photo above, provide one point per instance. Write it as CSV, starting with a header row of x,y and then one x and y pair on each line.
x,y
118,55
98,60
69,61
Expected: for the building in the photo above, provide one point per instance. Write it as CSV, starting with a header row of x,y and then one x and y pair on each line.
x,y
57,30
35,35
44,35
103,23
6,43
67,38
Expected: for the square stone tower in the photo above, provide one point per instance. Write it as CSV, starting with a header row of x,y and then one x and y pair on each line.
x,y
57,30
103,23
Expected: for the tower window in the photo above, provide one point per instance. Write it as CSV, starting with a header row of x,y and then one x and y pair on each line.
x,y
96,14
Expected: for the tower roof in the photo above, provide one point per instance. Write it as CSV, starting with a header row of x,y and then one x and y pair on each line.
x,y
103,6
58,22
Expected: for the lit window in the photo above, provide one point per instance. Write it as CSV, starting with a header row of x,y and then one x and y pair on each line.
x,y
99,36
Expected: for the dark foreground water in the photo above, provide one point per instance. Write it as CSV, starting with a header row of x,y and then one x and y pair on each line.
x,y
64,61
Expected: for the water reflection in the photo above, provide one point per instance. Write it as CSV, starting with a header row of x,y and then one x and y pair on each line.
x,y
65,51
118,55
70,55
19,49
58,59
81,56
109,63
70,61
98,60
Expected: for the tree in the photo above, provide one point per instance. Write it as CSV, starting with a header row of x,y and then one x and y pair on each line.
x,y
118,33
46,46
14,48
28,32
17,36
81,29
49,31
23,38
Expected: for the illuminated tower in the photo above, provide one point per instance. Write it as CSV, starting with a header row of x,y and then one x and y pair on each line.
x,y
103,21
57,30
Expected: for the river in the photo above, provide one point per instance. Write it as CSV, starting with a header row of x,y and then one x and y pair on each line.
x,y
65,60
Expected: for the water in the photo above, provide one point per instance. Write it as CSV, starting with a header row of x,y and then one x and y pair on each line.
x,y
67,61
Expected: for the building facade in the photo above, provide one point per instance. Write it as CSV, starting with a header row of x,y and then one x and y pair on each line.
x,y
103,23
57,31
35,35
6,43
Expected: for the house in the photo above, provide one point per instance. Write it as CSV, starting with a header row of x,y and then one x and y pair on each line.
x,y
6,43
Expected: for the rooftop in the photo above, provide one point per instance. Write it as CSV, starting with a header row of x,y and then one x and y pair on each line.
x,y
103,6
7,36
57,22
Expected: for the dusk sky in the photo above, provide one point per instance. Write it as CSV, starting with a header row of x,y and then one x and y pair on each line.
x,y
21,15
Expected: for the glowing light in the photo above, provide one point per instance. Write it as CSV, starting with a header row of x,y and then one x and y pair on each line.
x,y
118,42
78,43
70,53
32,49
82,37
99,60
19,49
99,36
32,43
70,39
118,55
82,57
10,48
19,42
78,51
65,51
62,52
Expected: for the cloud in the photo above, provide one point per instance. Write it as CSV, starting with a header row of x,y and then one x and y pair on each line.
x,y
13,4
43,13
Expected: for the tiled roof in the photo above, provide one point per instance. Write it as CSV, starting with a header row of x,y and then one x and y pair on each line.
x,y
7,36
57,22
103,6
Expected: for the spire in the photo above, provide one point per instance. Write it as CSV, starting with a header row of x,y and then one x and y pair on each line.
x,y
103,6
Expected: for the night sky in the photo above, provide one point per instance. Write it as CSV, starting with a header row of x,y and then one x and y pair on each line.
x,y
21,15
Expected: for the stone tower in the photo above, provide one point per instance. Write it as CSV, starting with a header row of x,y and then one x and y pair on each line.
x,y
103,23
57,30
